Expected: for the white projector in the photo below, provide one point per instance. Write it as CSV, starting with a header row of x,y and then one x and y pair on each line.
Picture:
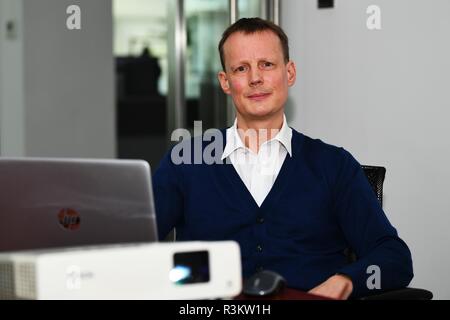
x,y
178,270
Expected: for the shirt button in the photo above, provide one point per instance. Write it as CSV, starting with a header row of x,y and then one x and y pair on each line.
x,y
259,248
260,220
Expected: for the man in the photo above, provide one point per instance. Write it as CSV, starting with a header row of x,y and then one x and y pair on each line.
x,y
294,204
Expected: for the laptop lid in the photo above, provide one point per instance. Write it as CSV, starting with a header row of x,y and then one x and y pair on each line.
x,y
51,203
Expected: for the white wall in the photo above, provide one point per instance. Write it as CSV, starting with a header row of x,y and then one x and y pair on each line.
x,y
383,95
67,87
12,116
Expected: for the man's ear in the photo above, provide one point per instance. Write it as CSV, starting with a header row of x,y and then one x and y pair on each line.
x,y
291,73
222,76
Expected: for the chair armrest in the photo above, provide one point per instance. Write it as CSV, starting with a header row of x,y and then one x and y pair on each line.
x,y
402,294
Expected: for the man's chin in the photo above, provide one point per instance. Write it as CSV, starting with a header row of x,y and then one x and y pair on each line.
x,y
263,114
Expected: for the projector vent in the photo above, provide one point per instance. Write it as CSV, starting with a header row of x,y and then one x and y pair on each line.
x,y
25,280
6,281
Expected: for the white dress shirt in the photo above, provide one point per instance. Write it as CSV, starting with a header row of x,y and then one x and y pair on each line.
x,y
259,170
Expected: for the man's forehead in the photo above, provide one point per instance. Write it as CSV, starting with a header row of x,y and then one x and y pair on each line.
x,y
258,44
241,37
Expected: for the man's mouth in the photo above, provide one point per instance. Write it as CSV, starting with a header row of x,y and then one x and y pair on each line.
x,y
258,96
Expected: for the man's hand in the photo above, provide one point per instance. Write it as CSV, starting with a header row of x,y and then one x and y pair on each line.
x,y
336,287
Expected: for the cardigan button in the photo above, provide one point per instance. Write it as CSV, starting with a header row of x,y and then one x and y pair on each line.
x,y
260,220
259,248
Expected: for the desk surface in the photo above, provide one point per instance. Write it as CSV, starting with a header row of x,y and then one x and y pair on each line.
x,y
284,294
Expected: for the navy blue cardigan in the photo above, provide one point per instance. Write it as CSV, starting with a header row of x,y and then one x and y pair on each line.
x,y
321,204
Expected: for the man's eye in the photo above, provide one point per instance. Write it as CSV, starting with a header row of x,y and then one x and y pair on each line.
x,y
240,69
267,64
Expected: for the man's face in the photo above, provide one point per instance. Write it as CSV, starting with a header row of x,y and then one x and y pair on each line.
x,y
256,75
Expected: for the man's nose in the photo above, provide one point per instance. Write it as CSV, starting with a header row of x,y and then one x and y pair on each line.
x,y
256,78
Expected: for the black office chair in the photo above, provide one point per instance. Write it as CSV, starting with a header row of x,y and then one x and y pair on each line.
x,y
376,175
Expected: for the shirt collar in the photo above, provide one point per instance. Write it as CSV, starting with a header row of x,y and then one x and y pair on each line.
x,y
234,141
285,136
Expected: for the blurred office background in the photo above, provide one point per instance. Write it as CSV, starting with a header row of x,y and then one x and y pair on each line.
x,y
138,69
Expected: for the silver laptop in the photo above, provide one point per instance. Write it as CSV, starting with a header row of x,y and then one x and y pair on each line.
x,y
52,203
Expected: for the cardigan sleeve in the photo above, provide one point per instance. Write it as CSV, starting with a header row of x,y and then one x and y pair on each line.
x,y
168,196
368,232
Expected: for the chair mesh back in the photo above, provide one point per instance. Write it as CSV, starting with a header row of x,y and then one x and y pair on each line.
x,y
376,175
